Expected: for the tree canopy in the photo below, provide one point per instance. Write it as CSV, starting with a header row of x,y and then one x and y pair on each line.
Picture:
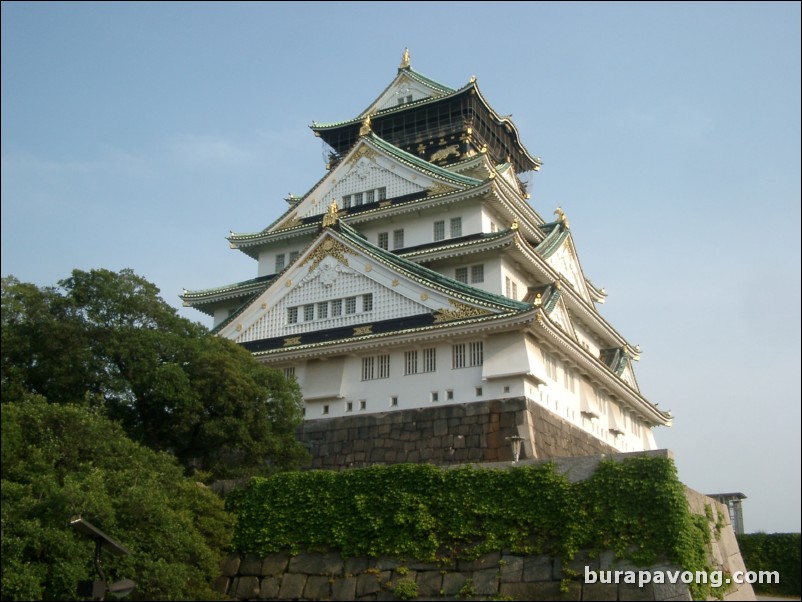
x,y
107,341
59,461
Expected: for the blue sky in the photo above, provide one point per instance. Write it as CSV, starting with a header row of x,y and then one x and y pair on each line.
x,y
138,134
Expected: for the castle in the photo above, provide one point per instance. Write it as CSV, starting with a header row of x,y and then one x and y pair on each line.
x,y
415,280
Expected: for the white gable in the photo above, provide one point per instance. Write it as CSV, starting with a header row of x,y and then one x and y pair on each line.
x,y
565,261
628,376
403,90
365,171
560,316
335,285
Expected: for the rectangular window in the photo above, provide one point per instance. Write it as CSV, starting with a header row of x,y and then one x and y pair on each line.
x,y
367,302
382,193
309,312
439,230
398,239
551,365
508,286
292,315
350,305
458,356
410,362
477,273
515,290
461,275
435,396
368,368
456,227
363,404
337,307
289,372
384,240
478,391
357,199
430,359
477,353
370,196
449,394
326,409
384,366
280,262
293,256
394,401
323,310
349,406
346,201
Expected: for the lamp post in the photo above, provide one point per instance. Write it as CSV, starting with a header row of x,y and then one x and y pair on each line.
x,y
515,441
97,590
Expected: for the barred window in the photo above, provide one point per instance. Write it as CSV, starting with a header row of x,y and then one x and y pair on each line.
x,y
363,404
293,256
458,356
439,230
309,312
280,262
410,362
477,349
292,315
477,273
357,199
374,367
382,192
289,372
346,201
456,227
394,401
384,366
449,394
368,368
461,275
370,195
384,240
435,396
349,406
398,239
350,305
336,307
430,359
323,310
367,302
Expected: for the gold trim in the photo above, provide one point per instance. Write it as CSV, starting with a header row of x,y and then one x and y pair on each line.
x,y
291,341
438,188
328,247
362,330
460,311
424,296
395,282
405,60
365,129
362,151
561,216
330,218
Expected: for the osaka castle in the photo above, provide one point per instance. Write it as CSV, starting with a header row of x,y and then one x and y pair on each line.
x,y
422,303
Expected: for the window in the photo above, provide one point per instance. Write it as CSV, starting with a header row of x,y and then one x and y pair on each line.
x,y
382,193
357,199
346,201
325,409
458,356
376,367
363,404
367,302
506,388
293,256
461,275
478,391
370,195
435,396
350,305
456,227
337,307
410,362
384,240
323,310
393,401
309,312
551,365
280,262
477,353
398,239
349,406
508,286
449,394
430,359
477,273
292,315
512,288
289,372
439,230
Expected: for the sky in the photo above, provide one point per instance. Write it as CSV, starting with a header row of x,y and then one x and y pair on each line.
x,y
137,135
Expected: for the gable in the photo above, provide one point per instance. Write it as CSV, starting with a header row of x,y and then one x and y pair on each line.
x,y
564,260
560,317
628,375
335,284
367,174
404,89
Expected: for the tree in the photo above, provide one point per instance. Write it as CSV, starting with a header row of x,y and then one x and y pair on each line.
x,y
108,341
59,461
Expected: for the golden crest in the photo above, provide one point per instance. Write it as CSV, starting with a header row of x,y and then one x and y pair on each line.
x,y
459,311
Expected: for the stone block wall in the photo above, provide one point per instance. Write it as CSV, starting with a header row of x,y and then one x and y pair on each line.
x,y
449,434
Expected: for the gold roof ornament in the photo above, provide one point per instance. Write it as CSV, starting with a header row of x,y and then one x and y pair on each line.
x,y
365,130
538,300
561,216
330,218
405,60
514,224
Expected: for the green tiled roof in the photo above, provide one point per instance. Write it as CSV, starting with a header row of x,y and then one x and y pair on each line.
x,y
426,81
232,289
557,233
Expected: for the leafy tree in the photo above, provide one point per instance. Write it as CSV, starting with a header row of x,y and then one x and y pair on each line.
x,y
59,461
107,340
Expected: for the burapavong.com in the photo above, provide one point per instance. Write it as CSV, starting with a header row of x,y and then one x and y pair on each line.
x,y
714,578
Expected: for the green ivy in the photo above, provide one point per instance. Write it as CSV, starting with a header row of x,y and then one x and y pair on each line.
x,y
636,508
